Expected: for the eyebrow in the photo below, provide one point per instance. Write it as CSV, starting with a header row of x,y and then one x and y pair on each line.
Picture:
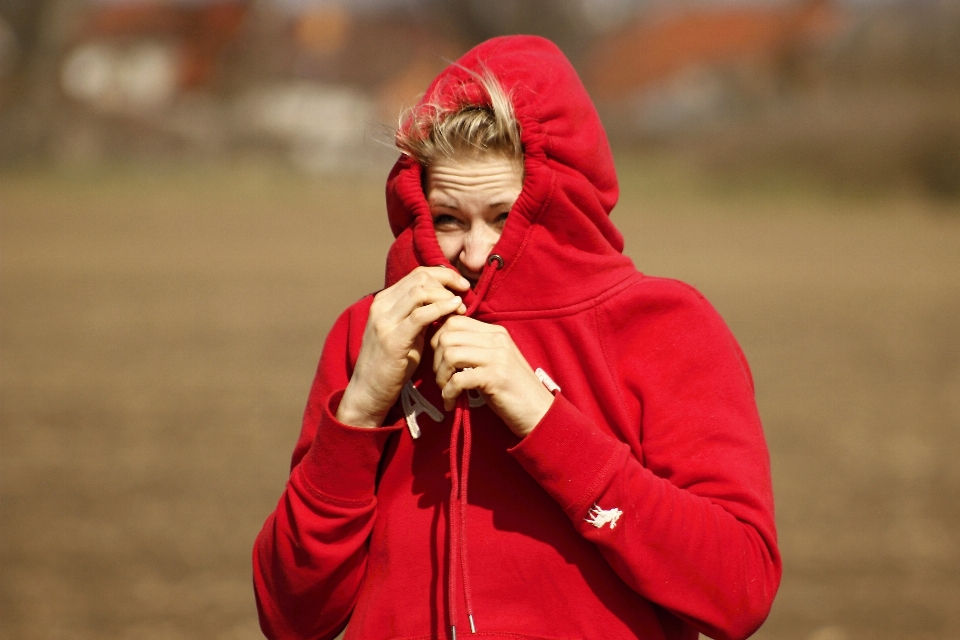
x,y
453,207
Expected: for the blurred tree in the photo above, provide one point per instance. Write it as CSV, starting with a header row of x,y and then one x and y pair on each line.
x,y
21,21
30,97
937,159
24,18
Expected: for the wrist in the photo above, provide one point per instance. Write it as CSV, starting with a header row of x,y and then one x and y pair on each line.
x,y
352,411
540,405
543,400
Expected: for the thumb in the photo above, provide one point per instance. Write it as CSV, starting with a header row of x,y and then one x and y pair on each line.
x,y
415,355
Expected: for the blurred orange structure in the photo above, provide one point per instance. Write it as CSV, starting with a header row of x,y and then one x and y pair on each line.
x,y
323,30
201,31
655,48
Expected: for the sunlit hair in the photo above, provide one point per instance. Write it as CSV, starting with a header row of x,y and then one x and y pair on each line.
x,y
433,130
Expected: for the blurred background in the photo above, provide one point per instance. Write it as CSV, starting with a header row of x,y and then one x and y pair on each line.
x,y
192,190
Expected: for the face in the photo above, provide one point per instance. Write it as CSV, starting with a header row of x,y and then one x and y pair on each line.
x,y
469,200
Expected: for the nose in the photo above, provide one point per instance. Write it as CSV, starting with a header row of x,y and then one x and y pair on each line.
x,y
477,245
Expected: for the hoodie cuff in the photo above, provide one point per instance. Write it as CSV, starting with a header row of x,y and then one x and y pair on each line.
x,y
570,458
342,462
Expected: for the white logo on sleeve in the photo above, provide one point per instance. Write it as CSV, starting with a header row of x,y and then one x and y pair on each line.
x,y
599,517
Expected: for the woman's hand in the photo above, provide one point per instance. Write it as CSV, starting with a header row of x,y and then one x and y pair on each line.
x,y
469,354
393,341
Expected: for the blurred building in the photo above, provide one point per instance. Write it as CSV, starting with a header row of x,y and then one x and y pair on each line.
x,y
677,67
866,92
862,95
135,56
309,80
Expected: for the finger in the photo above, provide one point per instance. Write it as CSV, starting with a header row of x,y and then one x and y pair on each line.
x,y
452,325
418,295
449,278
414,356
452,334
418,319
464,323
445,350
458,383
429,277
444,276
457,358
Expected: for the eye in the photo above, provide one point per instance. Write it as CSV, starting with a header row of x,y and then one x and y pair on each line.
x,y
501,219
445,221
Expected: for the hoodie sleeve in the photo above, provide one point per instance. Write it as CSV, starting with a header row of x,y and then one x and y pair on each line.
x,y
682,511
310,557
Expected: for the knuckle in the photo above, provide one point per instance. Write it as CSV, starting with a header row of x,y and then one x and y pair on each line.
x,y
420,315
420,293
381,327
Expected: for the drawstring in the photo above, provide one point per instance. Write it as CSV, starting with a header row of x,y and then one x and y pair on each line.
x,y
464,478
457,535
459,478
453,521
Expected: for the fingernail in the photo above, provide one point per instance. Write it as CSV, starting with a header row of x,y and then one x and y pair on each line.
x,y
457,300
464,282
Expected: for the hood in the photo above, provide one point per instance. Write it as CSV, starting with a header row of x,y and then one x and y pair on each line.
x,y
558,247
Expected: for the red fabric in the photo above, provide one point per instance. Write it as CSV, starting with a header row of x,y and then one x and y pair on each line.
x,y
656,418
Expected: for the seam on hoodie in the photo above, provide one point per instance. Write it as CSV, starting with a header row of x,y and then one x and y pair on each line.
x,y
324,497
545,137
621,408
622,403
731,340
526,235
534,124
687,286
589,494
568,310
547,200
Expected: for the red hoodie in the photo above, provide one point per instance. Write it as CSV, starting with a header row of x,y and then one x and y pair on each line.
x,y
639,507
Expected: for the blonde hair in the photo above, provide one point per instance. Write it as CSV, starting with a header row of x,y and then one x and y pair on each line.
x,y
472,128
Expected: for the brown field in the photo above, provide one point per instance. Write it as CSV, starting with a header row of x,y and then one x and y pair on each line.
x,y
160,330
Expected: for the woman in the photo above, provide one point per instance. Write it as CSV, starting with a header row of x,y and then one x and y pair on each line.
x,y
521,436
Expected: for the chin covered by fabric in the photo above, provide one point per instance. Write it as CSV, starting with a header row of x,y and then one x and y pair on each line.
x,y
639,507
